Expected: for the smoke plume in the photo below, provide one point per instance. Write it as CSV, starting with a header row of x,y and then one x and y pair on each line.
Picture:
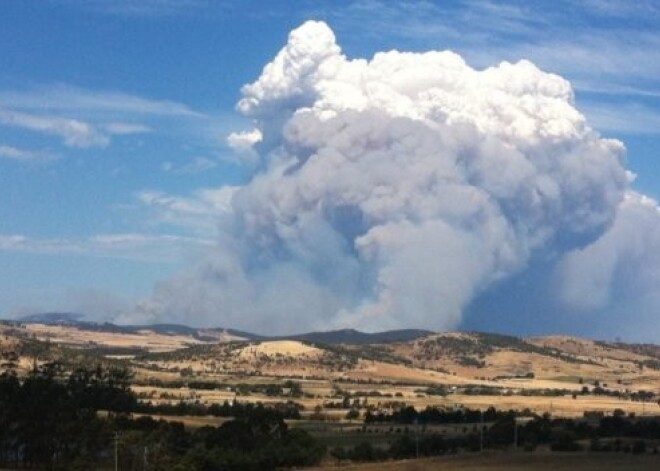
x,y
392,192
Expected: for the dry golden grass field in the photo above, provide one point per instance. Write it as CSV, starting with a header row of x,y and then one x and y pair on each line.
x,y
509,372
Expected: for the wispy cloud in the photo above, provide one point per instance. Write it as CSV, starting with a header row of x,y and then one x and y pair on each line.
x,y
134,246
23,155
75,133
197,165
627,118
140,8
86,118
489,31
64,98
13,241
198,213
648,9
122,129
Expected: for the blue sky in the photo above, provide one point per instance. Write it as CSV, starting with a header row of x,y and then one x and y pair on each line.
x,y
114,115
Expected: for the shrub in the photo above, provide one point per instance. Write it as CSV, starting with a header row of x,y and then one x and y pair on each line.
x,y
639,447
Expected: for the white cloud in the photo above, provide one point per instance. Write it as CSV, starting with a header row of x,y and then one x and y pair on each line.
x,y
23,155
245,145
244,140
75,133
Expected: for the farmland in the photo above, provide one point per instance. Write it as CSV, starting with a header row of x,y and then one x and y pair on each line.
x,y
366,401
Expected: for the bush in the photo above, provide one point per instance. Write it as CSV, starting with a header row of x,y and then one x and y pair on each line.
x,y
639,447
363,451
564,440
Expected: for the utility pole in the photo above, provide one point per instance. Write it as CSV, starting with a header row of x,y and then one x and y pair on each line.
x,y
116,440
515,434
417,437
481,432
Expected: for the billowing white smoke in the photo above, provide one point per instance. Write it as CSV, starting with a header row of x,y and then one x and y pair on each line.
x,y
391,192
617,277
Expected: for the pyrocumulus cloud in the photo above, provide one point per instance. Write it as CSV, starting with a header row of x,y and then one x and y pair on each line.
x,y
392,192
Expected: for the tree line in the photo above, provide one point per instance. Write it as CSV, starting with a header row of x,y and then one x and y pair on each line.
x,y
498,429
54,420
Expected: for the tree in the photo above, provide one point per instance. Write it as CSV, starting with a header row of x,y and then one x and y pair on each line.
x,y
49,420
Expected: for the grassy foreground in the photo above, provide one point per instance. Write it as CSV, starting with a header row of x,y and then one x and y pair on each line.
x,y
540,461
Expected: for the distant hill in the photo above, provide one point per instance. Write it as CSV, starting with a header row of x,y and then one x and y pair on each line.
x,y
74,320
237,333
355,337
639,348
332,337
52,318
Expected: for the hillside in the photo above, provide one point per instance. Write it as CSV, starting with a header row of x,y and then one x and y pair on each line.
x,y
355,337
470,367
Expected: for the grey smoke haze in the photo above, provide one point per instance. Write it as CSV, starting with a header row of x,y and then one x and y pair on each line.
x,y
399,191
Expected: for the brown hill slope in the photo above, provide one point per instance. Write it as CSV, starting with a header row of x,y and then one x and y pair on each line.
x,y
498,364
